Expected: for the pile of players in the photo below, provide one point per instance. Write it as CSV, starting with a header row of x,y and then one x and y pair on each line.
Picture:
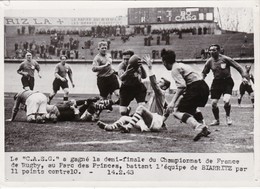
x,y
192,92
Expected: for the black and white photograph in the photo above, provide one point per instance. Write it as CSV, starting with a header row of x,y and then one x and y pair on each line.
x,y
157,92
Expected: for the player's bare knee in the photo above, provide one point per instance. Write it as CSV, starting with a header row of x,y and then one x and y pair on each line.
x,y
66,91
226,98
140,109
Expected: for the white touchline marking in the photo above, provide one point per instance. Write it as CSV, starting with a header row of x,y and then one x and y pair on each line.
x,y
97,142
150,136
242,146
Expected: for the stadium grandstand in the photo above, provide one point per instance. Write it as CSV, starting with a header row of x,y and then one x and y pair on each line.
x,y
188,31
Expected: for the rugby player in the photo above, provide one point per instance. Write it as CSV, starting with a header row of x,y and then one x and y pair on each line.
x,y
192,92
131,86
27,69
222,83
35,103
78,110
62,69
107,80
145,119
246,86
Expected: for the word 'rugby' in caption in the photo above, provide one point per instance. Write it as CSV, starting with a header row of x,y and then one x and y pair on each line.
x,y
63,165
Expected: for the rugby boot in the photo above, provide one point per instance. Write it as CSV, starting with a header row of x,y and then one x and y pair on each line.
x,y
228,120
202,131
215,123
101,124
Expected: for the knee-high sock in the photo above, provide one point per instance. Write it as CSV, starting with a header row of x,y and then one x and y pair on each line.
x,y
198,116
106,102
99,106
103,104
227,108
215,111
136,117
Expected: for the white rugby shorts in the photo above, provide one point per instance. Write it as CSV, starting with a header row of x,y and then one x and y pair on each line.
x,y
157,122
36,103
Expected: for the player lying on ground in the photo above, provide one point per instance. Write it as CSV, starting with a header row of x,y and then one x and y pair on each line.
x,y
145,119
35,103
79,110
192,92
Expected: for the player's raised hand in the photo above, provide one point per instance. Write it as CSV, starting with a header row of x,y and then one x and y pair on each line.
x,y
147,59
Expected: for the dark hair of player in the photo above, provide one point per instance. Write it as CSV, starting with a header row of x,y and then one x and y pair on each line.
x,y
168,56
128,52
215,45
167,83
63,56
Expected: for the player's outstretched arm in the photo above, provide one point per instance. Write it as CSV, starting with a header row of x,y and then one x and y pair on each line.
x,y
148,61
175,101
206,69
71,79
237,66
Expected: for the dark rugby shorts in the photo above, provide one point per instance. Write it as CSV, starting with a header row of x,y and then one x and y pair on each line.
x,y
245,88
196,95
57,83
107,85
28,81
220,87
128,93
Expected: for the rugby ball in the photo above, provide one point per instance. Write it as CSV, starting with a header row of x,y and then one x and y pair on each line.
x,y
134,61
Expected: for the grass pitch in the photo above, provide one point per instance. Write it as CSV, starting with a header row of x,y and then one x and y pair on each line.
x,y
21,136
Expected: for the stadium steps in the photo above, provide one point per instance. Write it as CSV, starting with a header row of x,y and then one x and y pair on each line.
x,y
188,47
